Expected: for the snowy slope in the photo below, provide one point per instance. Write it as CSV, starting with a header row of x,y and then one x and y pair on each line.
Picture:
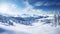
x,y
11,25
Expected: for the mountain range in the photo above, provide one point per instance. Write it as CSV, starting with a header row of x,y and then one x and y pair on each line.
x,y
10,20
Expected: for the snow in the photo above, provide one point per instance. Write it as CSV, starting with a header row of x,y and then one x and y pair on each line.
x,y
37,28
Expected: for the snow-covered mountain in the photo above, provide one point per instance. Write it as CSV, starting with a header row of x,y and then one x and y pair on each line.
x,y
10,20
25,25
20,25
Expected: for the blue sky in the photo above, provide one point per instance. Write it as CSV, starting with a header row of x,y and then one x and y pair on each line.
x,y
37,4
17,2
29,7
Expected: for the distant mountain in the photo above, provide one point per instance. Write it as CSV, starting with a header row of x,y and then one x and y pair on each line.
x,y
26,21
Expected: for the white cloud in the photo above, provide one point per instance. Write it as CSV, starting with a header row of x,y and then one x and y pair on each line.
x,y
41,3
13,10
38,3
30,11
